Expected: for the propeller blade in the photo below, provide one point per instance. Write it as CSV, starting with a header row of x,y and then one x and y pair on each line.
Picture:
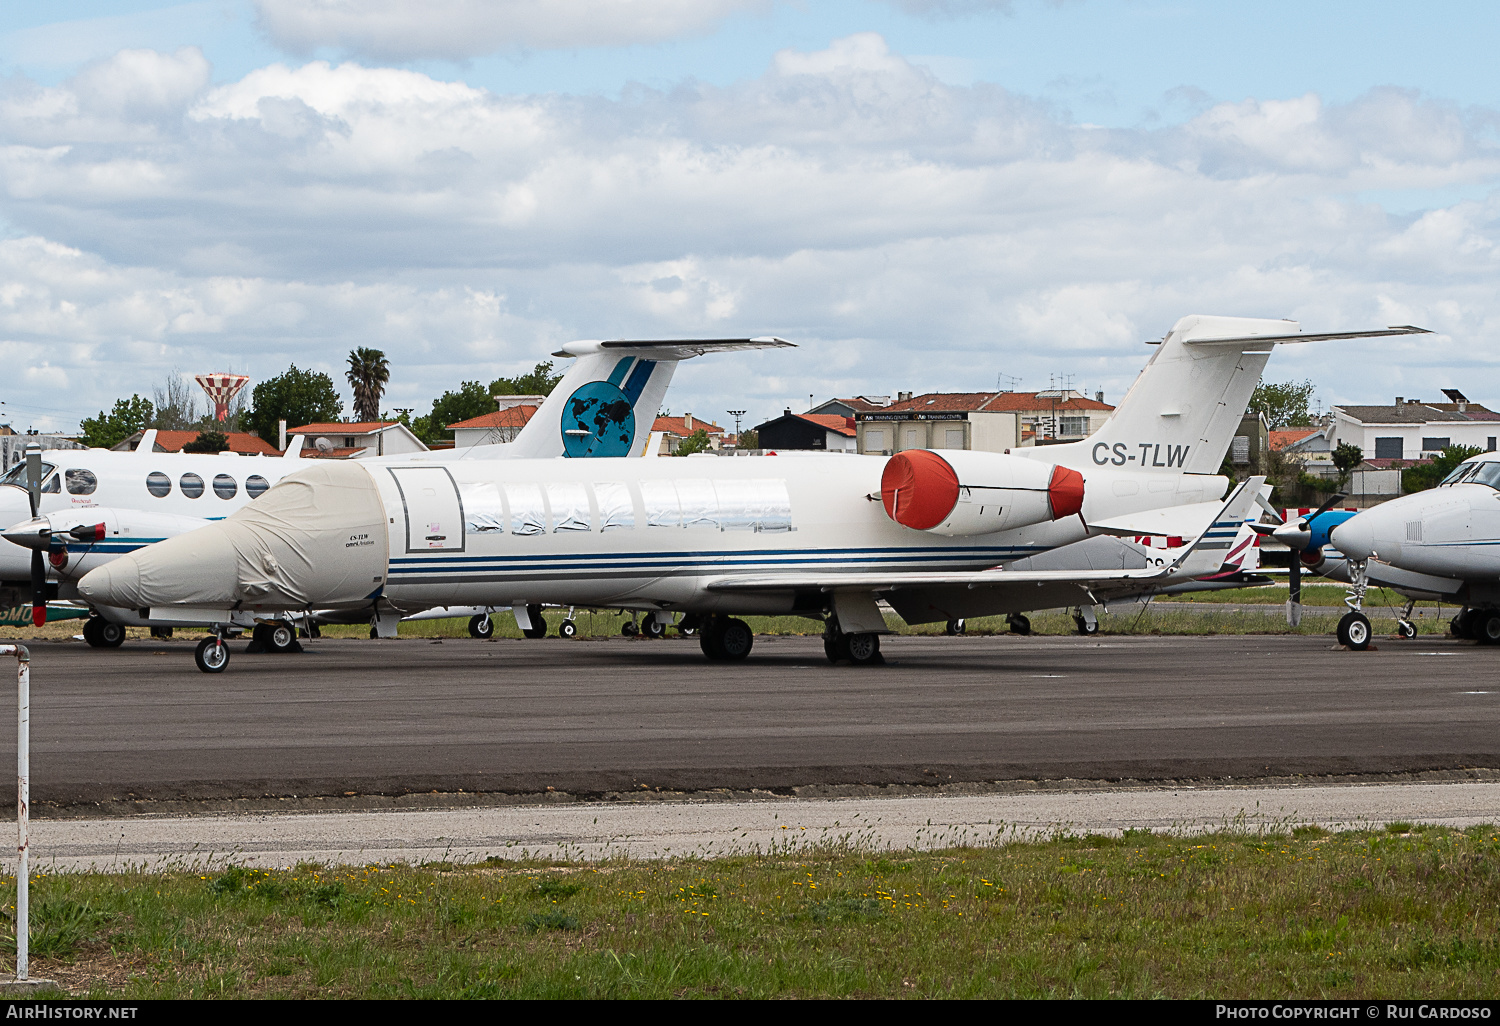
x,y
1260,500
1335,497
38,589
1264,530
34,476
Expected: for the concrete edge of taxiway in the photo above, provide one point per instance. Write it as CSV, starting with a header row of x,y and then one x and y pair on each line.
x,y
699,830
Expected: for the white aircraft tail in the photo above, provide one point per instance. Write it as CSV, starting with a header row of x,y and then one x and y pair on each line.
x,y
606,403
1184,408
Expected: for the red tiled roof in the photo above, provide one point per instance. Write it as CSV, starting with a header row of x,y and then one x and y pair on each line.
x,y
990,402
1283,437
675,426
842,425
366,427
1384,463
514,416
338,453
239,441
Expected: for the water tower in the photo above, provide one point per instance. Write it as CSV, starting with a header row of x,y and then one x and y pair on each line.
x,y
221,388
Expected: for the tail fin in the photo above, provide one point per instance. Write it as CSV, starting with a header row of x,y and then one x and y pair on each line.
x,y
606,403
1183,409
1207,553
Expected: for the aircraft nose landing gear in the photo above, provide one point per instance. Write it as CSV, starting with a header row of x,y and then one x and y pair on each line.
x,y
1354,629
480,626
212,655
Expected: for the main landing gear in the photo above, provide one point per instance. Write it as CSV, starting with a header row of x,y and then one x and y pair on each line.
x,y
724,638
1481,625
859,649
1019,623
101,633
277,637
481,626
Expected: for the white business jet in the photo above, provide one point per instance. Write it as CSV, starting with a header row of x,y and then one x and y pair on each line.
x,y
712,538
97,504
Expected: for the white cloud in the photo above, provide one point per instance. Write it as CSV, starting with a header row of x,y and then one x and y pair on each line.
x,y
398,30
913,234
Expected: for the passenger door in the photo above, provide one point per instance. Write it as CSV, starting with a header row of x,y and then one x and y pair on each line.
x,y
434,512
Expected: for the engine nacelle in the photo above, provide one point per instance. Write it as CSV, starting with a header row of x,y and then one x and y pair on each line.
x,y
961,492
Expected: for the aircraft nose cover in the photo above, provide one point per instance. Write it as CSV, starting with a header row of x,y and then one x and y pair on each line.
x,y
919,489
1065,492
316,538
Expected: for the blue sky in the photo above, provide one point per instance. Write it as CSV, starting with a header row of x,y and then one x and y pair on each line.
x,y
922,195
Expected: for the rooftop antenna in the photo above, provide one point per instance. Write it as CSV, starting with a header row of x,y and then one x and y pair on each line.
x,y
1006,382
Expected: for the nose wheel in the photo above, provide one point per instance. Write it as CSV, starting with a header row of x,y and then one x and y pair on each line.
x,y
211,655
1354,631
481,627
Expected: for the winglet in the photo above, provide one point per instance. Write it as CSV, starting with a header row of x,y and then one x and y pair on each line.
x,y
1206,554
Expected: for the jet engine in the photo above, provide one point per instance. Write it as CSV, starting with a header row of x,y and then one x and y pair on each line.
x,y
962,492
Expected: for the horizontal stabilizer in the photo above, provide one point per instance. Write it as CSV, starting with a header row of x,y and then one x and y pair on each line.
x,y
1243,340
1187,521
672,349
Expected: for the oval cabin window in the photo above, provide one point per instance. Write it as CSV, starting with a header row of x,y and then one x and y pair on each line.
x,y
158,484
255,486
225,486
192,485
81,482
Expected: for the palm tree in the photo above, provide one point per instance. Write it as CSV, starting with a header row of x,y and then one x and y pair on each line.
x,y
368,374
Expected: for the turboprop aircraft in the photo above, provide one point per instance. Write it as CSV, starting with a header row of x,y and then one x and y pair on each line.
x,y
711,538
95,505
1443,544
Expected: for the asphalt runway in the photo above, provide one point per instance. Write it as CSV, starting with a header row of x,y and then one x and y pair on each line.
x,y
591,717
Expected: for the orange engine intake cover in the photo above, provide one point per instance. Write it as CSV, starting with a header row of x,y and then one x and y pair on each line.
x,y
920,489
1065,492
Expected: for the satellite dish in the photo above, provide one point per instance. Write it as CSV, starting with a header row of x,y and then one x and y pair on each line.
x,y
323,445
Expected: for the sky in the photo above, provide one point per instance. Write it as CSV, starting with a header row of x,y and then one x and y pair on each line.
x,y
923,195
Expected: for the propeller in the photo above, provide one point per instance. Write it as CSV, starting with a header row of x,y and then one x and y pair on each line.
x,y
1295,535
38,563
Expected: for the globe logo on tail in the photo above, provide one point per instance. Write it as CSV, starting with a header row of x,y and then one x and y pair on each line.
x,y
598,420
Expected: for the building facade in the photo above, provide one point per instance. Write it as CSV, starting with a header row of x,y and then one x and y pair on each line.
x,y
990,421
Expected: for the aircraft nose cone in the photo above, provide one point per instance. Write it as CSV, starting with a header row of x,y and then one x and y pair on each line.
x,y
32,534
1293,535
116,583
1355,537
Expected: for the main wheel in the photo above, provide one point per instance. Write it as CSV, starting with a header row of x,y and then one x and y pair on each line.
x,y
111,635
1406,628
373,632
709,640
1086,626
280,637
538,628
161,632
211,655
567,629
1455,629
91,628
481,626
688,625
863,649
735,639
1020,624
629,629
955,627
1354,631
1487,627
833,646
654,628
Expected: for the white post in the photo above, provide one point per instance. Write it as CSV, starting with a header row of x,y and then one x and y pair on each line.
x,y
23,811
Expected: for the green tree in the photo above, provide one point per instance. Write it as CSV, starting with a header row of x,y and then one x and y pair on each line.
x,y
469,400
298,397
112,428
749,439
368,374
1285,404
1345,458
541,381
695,442
208,441
1417,479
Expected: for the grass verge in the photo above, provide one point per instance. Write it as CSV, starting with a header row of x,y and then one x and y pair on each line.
x,y
1402,912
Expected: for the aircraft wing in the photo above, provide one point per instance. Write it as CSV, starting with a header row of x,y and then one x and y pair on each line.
x,y
1174,521
1204,556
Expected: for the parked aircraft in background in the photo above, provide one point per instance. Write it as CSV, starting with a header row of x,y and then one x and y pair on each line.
x,y
710,538
1442,544
98,504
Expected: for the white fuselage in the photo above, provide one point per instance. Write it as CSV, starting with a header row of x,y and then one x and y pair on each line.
x,y
1452,530
650,534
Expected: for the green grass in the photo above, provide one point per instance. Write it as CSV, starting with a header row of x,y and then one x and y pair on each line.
x,y
1312,595
1158,618
1401,912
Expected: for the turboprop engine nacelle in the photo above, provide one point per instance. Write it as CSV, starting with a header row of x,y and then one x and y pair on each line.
x,y
962,492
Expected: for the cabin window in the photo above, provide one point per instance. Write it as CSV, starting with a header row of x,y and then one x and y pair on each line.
x,y
255,486
528,514
660,500
700,508
52,485
760,504
191,485
81,482
616,509
158,484
484,512
225,486
570,507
